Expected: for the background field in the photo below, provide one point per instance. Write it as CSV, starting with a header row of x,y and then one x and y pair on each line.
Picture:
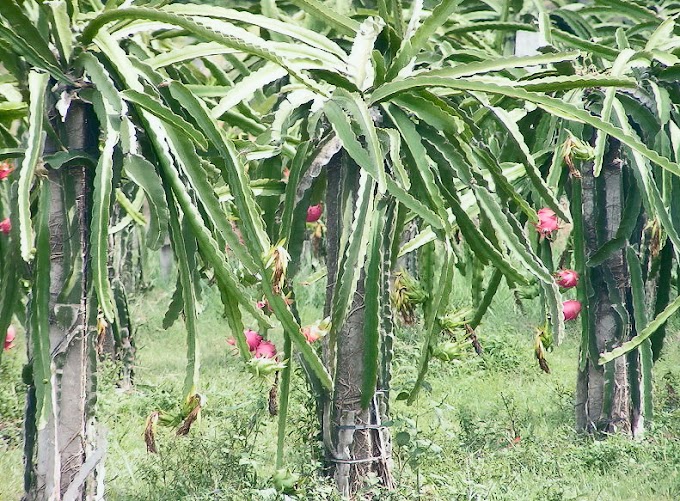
x,y
486,428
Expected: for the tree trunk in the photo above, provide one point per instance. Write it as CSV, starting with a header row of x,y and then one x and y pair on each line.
x,y
56,466
409,262
356,443
361,446
603,401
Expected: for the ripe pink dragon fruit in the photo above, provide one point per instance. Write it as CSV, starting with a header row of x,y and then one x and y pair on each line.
x,y
9,338
265,349
314,213
567,278
5,170
571,309
547,221
252,338
5,226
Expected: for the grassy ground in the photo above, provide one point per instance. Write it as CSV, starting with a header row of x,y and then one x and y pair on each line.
x,y
485,428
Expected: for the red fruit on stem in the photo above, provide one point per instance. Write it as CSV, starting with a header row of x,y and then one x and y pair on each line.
x,y
253,339
9,338
314,213
547,221
5,170
571,309
5,226
265,349
567,278
546,213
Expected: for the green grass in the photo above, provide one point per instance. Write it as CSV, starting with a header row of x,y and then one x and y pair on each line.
x,y
11,413
458,441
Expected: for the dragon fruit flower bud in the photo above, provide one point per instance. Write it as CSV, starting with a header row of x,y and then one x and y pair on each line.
x,y
318,330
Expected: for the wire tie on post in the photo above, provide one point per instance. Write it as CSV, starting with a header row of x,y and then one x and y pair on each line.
x,y
360,427
358,461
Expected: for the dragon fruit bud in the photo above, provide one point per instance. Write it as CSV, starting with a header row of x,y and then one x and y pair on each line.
x,y
571,309
567,278
314,213
9,338
547,221
5,226
265,349
310,333
318,330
